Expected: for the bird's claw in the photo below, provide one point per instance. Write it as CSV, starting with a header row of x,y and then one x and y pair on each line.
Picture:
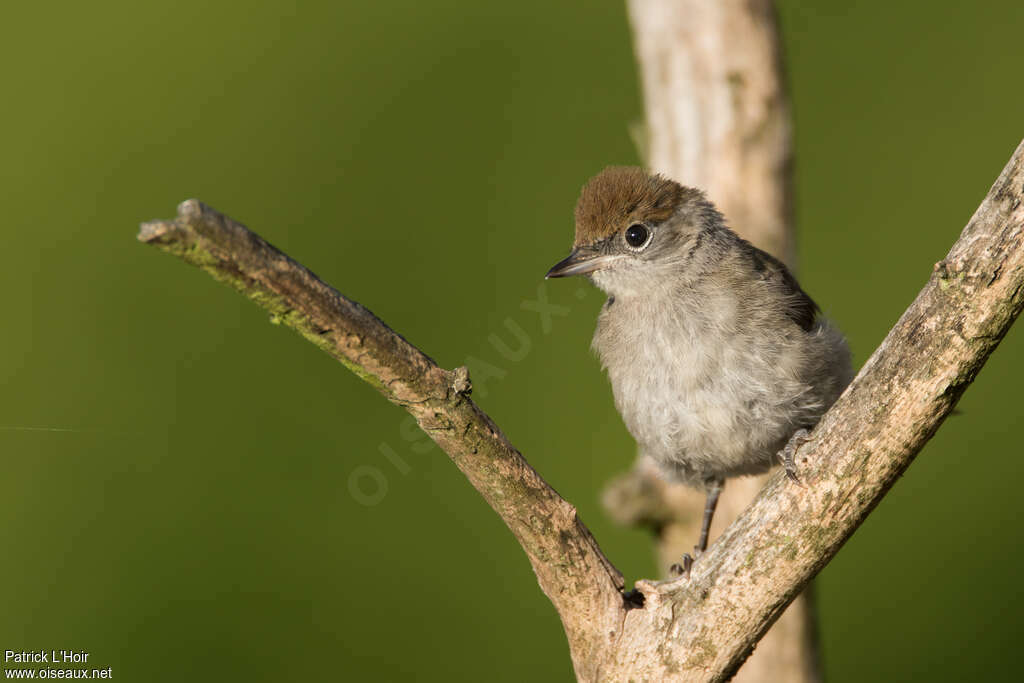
x,y
788,454
684,568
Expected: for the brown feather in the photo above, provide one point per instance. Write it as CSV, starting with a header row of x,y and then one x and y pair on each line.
x,y
619,196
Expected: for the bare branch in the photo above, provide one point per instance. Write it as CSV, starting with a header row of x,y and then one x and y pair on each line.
x,y
581,583
701,629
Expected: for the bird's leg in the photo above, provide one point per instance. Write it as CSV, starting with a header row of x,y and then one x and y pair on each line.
x,y
788,453
714,491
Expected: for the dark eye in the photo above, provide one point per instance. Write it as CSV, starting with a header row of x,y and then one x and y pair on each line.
x,y
636,235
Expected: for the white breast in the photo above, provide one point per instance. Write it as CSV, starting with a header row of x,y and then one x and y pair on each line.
x,y
699,391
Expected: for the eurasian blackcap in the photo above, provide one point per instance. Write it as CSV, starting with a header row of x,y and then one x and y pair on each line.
x,y
716,356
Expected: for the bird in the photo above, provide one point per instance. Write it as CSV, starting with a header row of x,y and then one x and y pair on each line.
x,y
719,362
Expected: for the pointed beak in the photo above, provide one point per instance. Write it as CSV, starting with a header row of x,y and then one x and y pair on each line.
x,y
580,261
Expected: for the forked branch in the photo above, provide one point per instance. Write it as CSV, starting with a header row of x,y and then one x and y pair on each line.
x,y
701,629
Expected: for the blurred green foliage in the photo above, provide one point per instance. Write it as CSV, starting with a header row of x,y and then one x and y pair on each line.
x,y
177,495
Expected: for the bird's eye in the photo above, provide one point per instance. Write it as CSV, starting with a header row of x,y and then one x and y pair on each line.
x,y
637,235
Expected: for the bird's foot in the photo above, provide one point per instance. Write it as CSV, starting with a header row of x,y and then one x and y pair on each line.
x,y
683,569
788,454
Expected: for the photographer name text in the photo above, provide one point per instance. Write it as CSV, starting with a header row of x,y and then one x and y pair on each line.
x,y
46,656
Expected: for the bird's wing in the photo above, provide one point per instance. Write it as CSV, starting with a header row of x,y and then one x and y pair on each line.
x,y
800,308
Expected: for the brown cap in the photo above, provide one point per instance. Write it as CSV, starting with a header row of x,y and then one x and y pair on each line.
x,y
619,196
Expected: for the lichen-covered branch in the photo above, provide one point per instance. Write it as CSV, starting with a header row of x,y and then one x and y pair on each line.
x,y
701,629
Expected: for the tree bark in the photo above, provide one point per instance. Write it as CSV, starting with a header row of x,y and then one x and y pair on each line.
x,y
704,627
718,118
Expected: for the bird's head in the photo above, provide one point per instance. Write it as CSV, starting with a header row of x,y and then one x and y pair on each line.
x,y
634,228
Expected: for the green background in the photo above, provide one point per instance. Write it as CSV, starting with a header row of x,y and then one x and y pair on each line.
x,y
192,518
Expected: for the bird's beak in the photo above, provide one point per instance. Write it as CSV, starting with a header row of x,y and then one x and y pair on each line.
x,y
580,261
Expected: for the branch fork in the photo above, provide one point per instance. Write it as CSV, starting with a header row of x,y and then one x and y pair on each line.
x,y
702,628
